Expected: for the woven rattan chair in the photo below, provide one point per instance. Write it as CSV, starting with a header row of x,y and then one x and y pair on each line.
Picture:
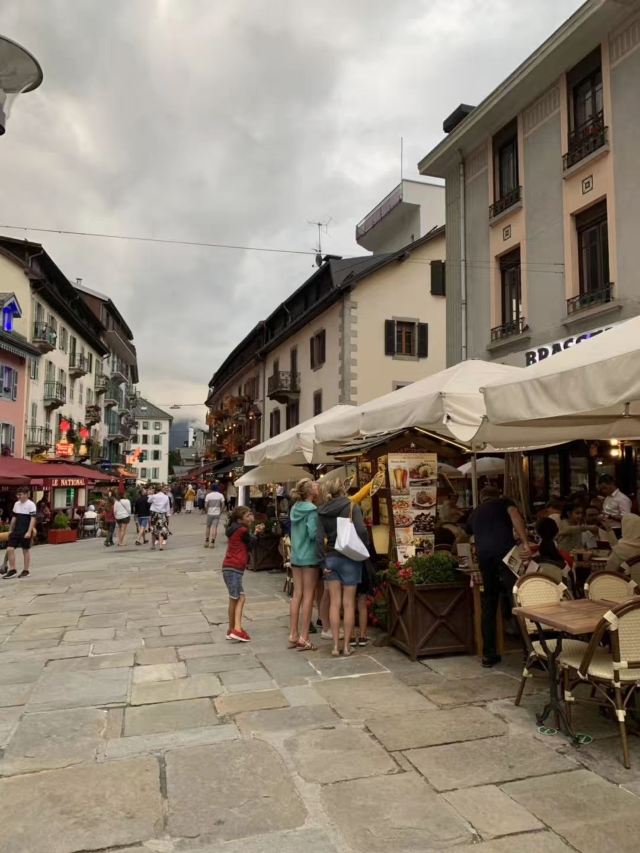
x,y
613,676
609,586
531,590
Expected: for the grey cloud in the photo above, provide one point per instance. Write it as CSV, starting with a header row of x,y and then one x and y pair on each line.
x,y
232,121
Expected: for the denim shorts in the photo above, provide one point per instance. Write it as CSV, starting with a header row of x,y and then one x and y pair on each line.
x,y
143,521
213,521
340,568
233,580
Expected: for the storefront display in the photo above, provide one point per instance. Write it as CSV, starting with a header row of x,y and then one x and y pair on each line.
x,y
413,479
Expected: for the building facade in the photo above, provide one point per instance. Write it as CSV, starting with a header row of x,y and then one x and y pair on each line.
x,y
357,328
543,195
76,374
149,454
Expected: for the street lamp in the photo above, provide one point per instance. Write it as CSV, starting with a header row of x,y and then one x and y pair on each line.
x,y
19,72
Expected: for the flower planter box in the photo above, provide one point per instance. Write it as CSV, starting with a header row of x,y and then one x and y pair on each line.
x,y
430,619
59,537
266,554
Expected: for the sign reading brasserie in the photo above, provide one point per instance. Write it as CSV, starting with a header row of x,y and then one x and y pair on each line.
x,y
533,356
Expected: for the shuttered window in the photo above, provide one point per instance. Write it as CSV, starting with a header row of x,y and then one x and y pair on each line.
x,y
438,278
406,338
317,349
8,383
274,422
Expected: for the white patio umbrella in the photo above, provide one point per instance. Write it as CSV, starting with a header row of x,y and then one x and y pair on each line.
x,y
589,391
486,466
449,471
270,473
298,445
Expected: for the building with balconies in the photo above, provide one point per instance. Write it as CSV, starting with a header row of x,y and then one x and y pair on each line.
x,y
407,213
16,354
64,343
151,428
543,195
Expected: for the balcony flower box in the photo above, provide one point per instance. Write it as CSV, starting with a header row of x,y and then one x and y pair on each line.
x,y
433,616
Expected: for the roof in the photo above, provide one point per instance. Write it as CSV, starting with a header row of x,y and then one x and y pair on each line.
x,y
109,302
399,255
17,344
15,467
573,40
144,409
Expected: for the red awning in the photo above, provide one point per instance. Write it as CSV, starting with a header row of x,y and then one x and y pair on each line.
x,y
10,466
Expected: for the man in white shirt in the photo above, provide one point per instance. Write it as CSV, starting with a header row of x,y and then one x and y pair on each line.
x,y
214,504
21,531
615,505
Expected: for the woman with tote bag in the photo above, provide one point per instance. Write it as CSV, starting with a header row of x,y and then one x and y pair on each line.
x,y
342,546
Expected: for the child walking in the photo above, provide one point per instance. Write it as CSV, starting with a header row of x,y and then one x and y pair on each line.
x,y
234,564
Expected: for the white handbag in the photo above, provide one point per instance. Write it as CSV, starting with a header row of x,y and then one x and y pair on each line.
x,y
348,543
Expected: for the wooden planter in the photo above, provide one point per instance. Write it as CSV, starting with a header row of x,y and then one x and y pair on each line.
x,y
59,537
431,619
266,554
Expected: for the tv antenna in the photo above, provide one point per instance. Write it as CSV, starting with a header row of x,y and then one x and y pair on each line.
x,y
320,226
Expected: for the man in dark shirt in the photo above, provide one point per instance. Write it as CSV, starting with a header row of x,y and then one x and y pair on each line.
x,y
143,516
492,525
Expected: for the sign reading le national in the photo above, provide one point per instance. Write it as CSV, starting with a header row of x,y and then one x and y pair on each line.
x,y
533,356
66,482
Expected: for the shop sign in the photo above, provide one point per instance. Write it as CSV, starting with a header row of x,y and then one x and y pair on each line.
x,y
64,448
67,482
533,356
414,483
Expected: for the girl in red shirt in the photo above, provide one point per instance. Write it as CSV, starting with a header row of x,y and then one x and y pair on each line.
x,y
234,564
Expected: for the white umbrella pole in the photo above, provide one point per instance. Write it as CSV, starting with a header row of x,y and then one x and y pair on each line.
x,y
474,480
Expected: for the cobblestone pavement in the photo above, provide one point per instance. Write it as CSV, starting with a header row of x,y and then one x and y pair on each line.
x,y
129,723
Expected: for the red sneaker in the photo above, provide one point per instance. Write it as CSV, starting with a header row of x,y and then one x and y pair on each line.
x,y
242,636
229,635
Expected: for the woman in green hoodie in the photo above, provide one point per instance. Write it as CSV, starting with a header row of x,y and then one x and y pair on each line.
x,y
304,562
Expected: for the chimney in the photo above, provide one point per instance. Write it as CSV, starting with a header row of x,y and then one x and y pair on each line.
x,y
459,114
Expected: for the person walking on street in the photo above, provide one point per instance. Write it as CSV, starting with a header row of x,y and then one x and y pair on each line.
x,y
232,495
200,496
305,564
615,505
21,532
214,504
492,525
341,574
122,513
143,516
189,498
234,564
109,521
178,496
160,508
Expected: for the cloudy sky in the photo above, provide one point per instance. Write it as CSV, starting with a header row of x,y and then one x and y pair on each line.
x,y
231,121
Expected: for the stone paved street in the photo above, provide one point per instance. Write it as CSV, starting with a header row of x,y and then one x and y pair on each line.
x,y
128,722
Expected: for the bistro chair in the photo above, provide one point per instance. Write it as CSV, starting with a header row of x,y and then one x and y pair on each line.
x,y
531,590
88,528
609,586
614,677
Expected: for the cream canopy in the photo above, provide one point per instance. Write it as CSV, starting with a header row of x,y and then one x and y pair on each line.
x,y
270,473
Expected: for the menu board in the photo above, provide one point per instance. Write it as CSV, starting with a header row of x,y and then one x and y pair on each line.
x,y
413,478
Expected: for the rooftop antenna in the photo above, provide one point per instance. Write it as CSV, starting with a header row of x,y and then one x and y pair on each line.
x,y
320,226
401,158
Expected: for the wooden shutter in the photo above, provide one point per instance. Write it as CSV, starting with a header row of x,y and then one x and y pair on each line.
x,y
389,337
14,385
438,279
322,347
312,352
423,340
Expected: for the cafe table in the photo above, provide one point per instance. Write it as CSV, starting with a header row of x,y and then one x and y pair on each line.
x,y
573,618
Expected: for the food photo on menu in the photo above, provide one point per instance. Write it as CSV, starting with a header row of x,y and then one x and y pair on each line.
x,y
424,522
423,497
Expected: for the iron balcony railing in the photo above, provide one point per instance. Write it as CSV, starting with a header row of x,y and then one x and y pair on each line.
x,y
504,203
92,415
43,333
101,383
590,298
379,211
55,392
283,381
38,436
78,364
511,327
586,139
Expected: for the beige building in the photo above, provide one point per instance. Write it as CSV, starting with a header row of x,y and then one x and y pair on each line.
x,y
357,328
543,195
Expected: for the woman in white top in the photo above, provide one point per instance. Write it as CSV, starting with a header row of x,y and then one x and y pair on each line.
x,y
122,513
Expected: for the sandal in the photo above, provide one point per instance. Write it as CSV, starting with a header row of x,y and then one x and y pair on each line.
x,y
335,653
306,647
292,644
347,652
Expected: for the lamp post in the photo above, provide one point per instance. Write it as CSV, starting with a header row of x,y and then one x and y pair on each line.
x,y
19,72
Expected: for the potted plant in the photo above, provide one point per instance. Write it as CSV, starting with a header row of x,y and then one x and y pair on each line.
x,y
429,606
60,530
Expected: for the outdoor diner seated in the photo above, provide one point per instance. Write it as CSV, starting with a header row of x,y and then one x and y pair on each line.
x,y
572,528
627,548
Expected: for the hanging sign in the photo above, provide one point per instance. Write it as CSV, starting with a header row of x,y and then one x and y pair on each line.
x,y
65,449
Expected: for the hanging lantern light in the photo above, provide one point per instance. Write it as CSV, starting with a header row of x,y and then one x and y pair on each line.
x,y
64,425
84,433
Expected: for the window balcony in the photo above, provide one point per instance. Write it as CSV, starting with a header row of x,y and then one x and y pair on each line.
x,y
283,386
101,384
92,415
379,212
584,140
507,330
119,371
44,336
508,200
589,299
55,394
111,396
78,365
38,437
